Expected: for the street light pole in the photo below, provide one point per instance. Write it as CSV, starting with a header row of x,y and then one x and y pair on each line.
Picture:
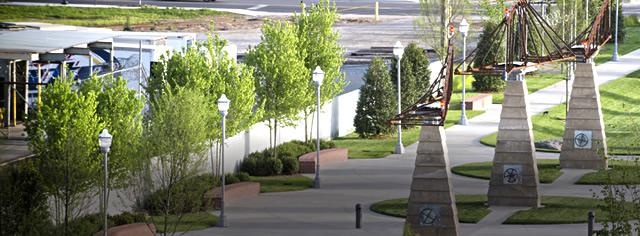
x,y
398,50
464,28
104,139
318,76
506,46
223,107
614,57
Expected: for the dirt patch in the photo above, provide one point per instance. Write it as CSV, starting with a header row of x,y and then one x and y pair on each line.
x,y
203,24
221,23
356,20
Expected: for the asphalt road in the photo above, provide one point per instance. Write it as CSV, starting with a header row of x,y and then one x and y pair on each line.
x,y
357,7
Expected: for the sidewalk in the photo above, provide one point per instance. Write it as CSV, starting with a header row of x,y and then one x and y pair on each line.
x,y
330,210
13,150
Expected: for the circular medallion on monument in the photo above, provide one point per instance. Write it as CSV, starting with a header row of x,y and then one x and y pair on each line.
x,y
429,215
582,139
512,174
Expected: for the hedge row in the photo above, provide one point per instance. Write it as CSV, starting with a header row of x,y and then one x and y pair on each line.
x,y
285,161
189,194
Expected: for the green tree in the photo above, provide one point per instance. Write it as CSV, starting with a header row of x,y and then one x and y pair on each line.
x,y
120,111
63,136
486,54
433,23
376,104
175,134
23,203
415,72
318,45
494,10
208,69
281,78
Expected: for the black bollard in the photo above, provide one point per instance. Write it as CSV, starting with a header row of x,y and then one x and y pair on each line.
x,y
592,219
358,216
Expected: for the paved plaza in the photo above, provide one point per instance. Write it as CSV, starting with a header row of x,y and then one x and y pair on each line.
x,y
330,210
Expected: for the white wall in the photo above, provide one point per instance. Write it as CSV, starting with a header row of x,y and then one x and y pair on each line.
x,y
336,119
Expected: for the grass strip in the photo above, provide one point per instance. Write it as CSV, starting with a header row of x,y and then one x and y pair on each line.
x,y
548,170
621,118
471,208
96,16
379,147
283,183
186,222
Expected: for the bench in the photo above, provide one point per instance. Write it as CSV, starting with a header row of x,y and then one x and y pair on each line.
x,y
478,102
327,156
136,229
232,192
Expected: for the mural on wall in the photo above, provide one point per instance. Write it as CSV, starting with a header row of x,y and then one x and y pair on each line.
x,y
77,66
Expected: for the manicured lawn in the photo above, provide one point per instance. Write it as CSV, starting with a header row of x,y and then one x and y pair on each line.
x,y
98,16
188,222
535,82
620,172
560,210
631,43
619,101
548,170
285,183
471,208
379,147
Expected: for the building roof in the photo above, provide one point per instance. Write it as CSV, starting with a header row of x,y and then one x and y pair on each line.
x,y
40,41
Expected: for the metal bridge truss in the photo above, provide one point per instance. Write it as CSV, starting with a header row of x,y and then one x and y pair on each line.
x,y
530,42
431,108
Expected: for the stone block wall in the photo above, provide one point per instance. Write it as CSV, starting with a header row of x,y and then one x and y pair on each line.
x,y
432,209
584,144
514,175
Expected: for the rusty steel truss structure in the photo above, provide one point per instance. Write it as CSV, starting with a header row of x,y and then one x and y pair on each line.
x,y
431,108
528,41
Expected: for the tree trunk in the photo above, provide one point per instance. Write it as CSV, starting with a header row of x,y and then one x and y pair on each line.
x,y
306,126
275,138
66,196
270,132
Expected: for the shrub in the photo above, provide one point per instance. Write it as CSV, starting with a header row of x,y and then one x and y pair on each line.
x,y
488,83
293,149
23,202
249,165
187,195
90,224
622,26
261,166
324,144
273,166
231,178
290,165
376,104
128,218
242,176
414,74
258,163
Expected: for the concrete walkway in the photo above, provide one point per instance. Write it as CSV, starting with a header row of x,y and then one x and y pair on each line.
x,y
13,146
330,210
